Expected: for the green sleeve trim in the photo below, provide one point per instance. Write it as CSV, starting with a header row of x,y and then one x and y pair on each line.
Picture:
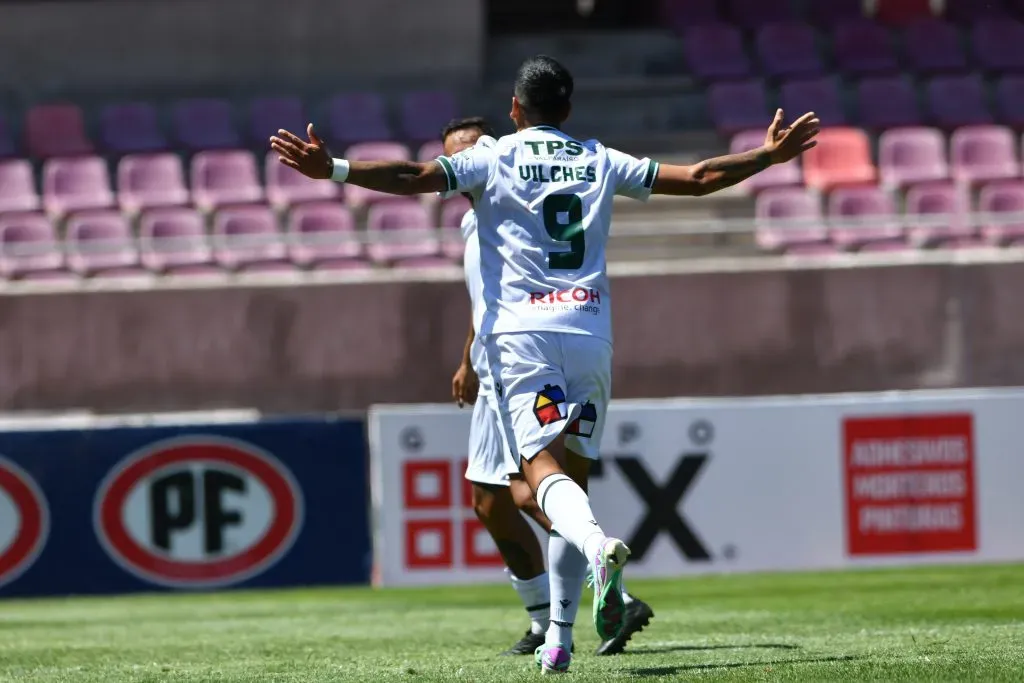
x,y
449,173
652,173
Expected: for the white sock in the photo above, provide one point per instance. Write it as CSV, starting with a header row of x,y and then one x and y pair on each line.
x,y
568,571
568,508
536,599
626,597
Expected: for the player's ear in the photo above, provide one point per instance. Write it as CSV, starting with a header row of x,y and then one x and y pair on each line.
x,y
516,112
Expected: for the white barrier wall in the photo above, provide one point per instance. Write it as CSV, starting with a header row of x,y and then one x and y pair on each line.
x,y
694,486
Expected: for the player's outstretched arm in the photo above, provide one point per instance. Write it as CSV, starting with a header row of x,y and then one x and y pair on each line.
x,y
780,145
311,159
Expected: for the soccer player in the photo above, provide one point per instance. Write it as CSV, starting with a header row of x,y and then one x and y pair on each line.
x,y
544,201
499,492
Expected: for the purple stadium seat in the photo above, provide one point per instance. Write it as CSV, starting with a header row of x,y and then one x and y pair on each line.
x,y
29,248
912,155
17,187
830,13
933,46
715,52
788,49
222,178
56,130
680,15
887,102
146,180
863,216
753,14
286,186
7,146
246,238
788,218
372,151
820,95
76,184
1002,197
1010,101
131,128
782,175
937,215
267,115
863,47
401,230
174,241
357,118
958,101
970,11
430,150
999,44
205,124
740,106
980,153
426,112
100,243
452,211
323,236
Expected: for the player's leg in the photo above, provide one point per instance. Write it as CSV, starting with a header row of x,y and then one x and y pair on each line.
x,y
527,504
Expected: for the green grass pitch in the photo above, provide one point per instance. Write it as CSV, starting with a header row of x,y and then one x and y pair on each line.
x,y
934,624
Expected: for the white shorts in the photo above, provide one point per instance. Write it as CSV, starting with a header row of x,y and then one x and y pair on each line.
x,y
490,461
548,383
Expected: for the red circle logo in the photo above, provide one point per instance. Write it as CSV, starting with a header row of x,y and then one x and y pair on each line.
x,y
24,521
198,511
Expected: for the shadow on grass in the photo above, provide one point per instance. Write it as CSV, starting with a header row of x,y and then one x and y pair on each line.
x,y
657,649
657,671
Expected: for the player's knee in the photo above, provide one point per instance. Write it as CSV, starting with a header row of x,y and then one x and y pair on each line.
x,y
483,502
523,496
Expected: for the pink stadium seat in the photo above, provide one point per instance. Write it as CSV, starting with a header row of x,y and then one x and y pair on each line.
x,y
401,230
372,151
937,216
430,150
842,157
864,217
246,238
789,218
912,155
145,181
323,236
287,187
980,153
75,185
100,244
225,178
1002,202
452,212
783,175
29,248
17,187
174,241
56,130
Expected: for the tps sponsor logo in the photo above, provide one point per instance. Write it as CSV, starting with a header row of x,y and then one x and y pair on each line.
x,y
24,521
198,511
909,484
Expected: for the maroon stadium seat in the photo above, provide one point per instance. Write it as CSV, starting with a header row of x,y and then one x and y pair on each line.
x,y
56,130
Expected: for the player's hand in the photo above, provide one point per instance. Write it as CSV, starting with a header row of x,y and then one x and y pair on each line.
x,y
465,385
311,158
784,144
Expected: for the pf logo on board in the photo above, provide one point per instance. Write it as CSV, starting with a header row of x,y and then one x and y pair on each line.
x,y
24,521
198,512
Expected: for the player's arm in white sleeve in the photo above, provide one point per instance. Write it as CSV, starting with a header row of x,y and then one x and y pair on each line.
x,y
468,170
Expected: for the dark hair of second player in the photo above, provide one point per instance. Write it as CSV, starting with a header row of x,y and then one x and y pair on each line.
x,y
478,122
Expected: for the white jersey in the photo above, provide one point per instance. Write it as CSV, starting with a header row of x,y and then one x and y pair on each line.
x,y
475,285
544,204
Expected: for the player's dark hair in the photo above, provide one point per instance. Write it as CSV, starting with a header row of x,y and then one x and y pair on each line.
x,y
478,122
544,87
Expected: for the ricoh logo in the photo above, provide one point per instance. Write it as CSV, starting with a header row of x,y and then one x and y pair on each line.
x,y
577,298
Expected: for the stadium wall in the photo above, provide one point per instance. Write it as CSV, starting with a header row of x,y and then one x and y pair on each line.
x,y
317,347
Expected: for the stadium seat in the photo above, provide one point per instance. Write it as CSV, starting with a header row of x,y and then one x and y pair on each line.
x,y
56,130
430,150
452,211
1009,96
223,178
912,155
902,12
998,44
680,15
863,47
357,118
937,215
863,217
148,180
204,124
842,157
820,95
830,13
7,147
715,52
753,14
1002,197
957,101
287,187
887,102
76,184
426,113
781,175
29,248
788,50
174,241
969,11
739,106
933,46
100,244
17,187
246,238
370,151
131,128
415,238
322,236
267,115
788,218
981,153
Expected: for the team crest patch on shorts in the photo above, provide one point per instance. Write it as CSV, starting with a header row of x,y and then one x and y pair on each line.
x,y
549,406
584,424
